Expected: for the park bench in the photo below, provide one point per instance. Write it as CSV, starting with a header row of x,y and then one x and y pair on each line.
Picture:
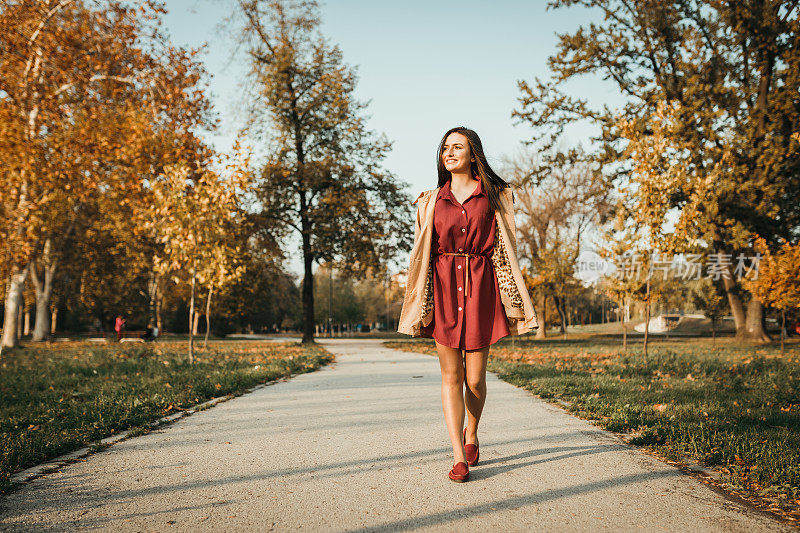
x,y
133,336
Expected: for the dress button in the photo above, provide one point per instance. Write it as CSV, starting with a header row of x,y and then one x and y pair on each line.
x,y
460,249
459,288
459,267
462,211
459,309
463,230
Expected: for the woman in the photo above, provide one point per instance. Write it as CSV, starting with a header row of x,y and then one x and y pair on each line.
x,y
465,289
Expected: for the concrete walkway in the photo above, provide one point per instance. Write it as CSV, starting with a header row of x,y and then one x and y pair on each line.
x,y
361,446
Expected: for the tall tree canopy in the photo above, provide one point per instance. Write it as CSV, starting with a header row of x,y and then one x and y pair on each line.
x,y
91,99
557,203
720,81
322,175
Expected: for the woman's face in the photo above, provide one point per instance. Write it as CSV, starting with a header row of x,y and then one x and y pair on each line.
x,y
455,153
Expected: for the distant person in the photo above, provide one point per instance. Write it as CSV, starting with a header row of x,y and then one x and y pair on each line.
x,y
119,327
461,224
151,333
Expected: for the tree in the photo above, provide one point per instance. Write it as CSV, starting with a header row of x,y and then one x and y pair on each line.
x,y
249,303
727,71
708,297
82,92
335,293
226,232
777,282
621,248
645,197
322,177
192,214
557,204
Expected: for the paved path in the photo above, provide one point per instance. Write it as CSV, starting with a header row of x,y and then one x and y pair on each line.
x,y
361,445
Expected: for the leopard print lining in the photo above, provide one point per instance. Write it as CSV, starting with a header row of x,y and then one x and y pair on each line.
x,y
427,293
502,268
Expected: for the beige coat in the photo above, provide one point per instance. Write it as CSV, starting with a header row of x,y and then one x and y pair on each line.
x,y
417,309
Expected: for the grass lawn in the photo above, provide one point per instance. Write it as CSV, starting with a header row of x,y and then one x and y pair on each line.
x,y
61,397
728,405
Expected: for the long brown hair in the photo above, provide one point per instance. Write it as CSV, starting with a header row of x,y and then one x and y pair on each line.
x,y
490,181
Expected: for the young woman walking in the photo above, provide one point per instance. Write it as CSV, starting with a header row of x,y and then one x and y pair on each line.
x,y
464,288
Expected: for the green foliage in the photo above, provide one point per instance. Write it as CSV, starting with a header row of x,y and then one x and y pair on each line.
x,y
709,298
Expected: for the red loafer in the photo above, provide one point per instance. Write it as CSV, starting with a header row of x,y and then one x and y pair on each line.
x,y
470,450
459,472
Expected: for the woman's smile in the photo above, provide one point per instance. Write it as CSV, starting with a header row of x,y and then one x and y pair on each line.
x,y
455,153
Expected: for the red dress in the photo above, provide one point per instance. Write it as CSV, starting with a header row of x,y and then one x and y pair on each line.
x,y
465,321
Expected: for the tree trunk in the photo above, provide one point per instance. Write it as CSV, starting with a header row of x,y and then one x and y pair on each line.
x,y
731,287
43,288
153,281
308,290
191,316
754,326
541,333
54,319
622,310
755,322
646,317
43,319
208,318
735,303
195,322
559,303
159,321
16,285
26,322
306,226
783,329
20,314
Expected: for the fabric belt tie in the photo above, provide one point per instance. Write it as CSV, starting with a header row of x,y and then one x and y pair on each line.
x,y
466,261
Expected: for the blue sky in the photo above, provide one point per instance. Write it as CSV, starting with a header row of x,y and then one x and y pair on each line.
x,y
425,66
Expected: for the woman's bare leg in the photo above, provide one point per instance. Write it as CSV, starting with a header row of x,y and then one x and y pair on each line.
x,y
475,396
452,364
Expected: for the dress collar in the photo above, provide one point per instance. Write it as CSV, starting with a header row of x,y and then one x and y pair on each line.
x,y
446,193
